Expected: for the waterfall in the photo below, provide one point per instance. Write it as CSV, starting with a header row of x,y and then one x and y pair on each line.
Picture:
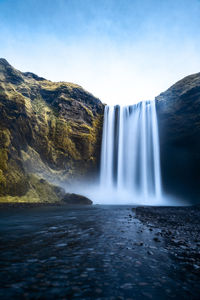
x,y
130,157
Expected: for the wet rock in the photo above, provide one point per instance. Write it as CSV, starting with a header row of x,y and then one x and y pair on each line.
x,y
139,244
147,295
179,227
40,275
32,260
178,242
196,267
75,199
61,245
152,247
126,286
156,239
183,247
142,283
98,291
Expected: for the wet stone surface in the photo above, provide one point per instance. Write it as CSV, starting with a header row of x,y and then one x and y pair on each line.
x,y
98,252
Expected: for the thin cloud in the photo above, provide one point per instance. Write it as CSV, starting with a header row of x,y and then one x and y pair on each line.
x,y
121,51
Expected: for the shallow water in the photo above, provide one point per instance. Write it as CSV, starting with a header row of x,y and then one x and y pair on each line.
x,y
97,252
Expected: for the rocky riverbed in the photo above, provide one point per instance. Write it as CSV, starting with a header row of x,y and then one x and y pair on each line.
x,y
180,228
99,252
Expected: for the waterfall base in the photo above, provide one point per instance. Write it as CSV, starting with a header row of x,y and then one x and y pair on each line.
x,y
109,196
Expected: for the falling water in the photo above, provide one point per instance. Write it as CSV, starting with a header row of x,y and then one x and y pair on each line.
x,y
130,158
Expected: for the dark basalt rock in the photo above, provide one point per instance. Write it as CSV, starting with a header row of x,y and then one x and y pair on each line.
x,y
179,127
180,227
76,199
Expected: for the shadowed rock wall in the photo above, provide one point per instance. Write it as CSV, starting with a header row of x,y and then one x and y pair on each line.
x,y
179,126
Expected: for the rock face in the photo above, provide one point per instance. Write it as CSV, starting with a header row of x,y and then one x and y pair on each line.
x,y
50,129
179,124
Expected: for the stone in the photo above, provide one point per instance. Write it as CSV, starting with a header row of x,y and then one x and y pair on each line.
x,y
156,239
75,199
196,267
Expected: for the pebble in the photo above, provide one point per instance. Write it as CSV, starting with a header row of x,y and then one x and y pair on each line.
x,y
126,286
156,239
98,291
139,244
138,263
196,267
61,245
33,260
142,283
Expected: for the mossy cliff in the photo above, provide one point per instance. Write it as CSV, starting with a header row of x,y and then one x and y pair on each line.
x,y
49,129
179,124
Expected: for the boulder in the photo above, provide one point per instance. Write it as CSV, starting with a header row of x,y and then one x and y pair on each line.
x,y
76,199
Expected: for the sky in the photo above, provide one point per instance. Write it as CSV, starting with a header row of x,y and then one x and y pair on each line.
x,y
122,51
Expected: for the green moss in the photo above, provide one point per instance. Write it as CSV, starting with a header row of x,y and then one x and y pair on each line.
x,y
4,138
63,141
52,86
39,191
44,190
16,180
41,108
89,112
30,197
51,119
3,159
2,178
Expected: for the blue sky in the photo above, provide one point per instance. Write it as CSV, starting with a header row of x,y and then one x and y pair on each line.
x,y
123,51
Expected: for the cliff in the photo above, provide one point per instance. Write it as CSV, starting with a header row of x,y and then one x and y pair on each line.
x,y
179,124
49,129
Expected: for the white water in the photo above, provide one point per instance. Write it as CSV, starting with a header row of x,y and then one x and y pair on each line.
x,y
130,158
